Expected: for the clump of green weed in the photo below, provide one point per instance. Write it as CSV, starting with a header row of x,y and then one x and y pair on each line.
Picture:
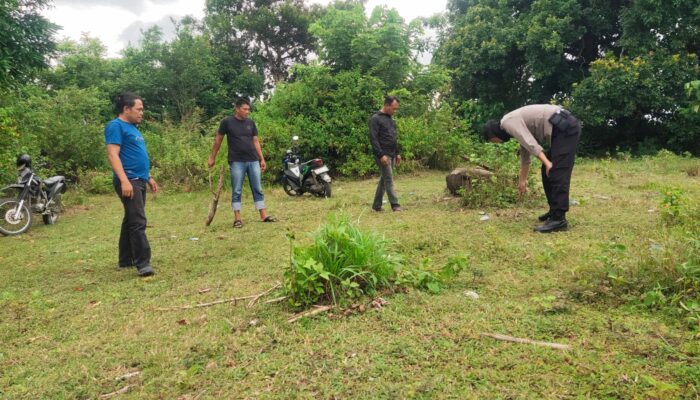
x,y
344,263
501,189
665,275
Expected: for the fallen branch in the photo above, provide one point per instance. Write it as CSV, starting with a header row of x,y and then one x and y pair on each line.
x,y
507,338
215,196
233,300
118,392
127,376
256,298
317,310
277,300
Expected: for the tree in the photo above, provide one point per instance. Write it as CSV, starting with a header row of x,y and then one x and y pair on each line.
x,y
25,40
268,35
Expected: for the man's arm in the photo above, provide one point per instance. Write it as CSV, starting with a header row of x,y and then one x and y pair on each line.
x,y
118,168
215,149
374,140
258,149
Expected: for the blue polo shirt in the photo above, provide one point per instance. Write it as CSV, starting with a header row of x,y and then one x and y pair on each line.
x,y
132,150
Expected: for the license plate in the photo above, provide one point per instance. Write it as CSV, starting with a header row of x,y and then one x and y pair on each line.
x,y
321,170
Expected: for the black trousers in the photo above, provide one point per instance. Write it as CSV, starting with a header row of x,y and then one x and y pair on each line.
x,y
562,154
133,243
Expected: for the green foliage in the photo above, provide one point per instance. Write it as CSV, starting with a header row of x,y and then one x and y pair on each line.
x,y
663,274
342,263
426,277
619,65
642,114
380,46
502,189
692,89
25,40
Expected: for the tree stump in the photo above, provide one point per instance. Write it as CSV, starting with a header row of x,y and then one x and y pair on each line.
x,y
462,178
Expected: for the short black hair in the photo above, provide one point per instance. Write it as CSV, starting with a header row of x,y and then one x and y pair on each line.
x,y
241,101
126,99
492,128
389,100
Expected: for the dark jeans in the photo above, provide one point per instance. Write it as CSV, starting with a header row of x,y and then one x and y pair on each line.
x,y
562,154
133,243
386,183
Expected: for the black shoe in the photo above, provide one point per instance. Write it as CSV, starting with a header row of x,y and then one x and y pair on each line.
x,y
552,226
545,216
146,271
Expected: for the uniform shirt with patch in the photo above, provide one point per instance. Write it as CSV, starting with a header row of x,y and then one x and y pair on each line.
x,y
530,126
239,136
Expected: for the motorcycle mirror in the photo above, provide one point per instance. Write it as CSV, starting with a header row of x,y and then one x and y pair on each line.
x,y
295,138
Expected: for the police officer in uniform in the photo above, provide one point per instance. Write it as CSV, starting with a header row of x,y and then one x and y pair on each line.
x,y
535,126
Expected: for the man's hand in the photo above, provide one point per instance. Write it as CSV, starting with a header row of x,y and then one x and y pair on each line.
x,y
384,160
153,185
398,160
547,167
522,188
211,161
263,165
127,189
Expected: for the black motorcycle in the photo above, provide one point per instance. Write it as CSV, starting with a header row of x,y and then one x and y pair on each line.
x,y
304,177
34,195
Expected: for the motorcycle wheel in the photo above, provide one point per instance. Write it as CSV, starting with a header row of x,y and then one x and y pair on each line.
x,y
289,189
326,189
11,224
52,216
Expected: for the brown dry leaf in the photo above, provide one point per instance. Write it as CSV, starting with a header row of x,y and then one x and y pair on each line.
x,y
183,322
78,289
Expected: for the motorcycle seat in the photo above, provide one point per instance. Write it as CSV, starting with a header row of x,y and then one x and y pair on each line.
x,y
54,180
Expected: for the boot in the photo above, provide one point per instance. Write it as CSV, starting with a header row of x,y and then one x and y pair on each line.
x,y
545,216
556,222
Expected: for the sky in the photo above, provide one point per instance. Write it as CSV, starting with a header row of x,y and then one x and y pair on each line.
x,y
117,23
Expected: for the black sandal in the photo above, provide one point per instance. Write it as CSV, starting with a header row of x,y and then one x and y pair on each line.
x,y
238,223
269,218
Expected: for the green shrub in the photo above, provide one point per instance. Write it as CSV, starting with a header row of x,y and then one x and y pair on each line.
x,y
502,189
344,263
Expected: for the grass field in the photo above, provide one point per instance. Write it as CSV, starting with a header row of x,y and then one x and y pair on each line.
x,y
71,324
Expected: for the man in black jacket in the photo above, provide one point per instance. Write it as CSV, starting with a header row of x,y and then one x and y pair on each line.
x,y
382,135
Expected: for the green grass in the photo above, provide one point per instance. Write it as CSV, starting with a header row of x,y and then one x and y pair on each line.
x,y
70,323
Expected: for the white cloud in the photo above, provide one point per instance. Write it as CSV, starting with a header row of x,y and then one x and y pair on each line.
x,y
116,23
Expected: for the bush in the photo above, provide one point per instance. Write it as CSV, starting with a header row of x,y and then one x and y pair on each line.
x,y
502,189
344,263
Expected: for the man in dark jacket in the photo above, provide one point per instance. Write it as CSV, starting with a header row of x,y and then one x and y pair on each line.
x,y
382,135
535,126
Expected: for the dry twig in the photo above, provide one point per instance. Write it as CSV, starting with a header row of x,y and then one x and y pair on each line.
x,y
118,392
507,338
317,310
215,196
232,300
256,298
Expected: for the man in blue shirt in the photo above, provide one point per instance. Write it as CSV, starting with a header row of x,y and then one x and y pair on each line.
x,y
126,151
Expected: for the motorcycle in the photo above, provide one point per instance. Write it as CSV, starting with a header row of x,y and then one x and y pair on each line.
x,y
304,177
35,195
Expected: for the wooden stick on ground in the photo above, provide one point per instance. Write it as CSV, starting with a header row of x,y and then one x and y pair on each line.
x,y
213,303
215,196
256,298
316,310
507,338
233,300
118,392
276,300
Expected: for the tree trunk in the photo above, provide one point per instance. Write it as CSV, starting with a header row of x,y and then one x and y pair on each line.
x,y
462,178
